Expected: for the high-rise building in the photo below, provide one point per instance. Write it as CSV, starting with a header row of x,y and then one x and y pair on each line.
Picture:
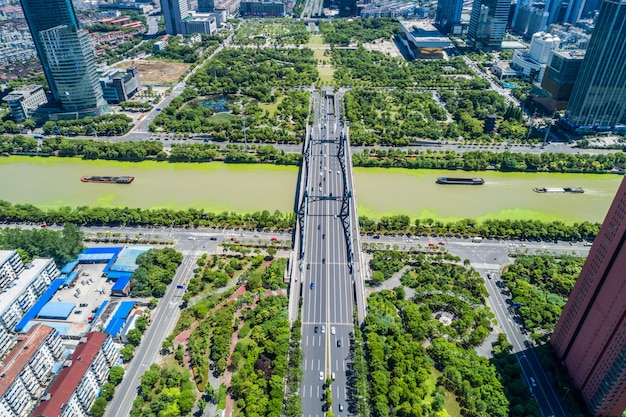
x,y
599,96
590,337
488,23
71,62
174,12
448,14
206,6
66,56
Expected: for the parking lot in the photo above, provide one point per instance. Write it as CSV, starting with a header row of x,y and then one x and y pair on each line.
x,y
88,291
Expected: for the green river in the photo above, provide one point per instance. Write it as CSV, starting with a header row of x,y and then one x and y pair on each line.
x,y
54,182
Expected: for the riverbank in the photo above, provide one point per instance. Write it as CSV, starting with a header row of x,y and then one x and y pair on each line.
x,y
246,188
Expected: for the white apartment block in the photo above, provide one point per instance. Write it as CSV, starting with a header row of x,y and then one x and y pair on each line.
x,y
24,291
11,266
27,371
75,389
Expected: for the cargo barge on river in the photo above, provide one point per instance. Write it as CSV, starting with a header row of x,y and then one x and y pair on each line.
x,y
460,181
108,180
569,190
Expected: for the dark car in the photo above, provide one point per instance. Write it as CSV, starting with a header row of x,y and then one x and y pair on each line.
x,y
212,238
312,286
338,342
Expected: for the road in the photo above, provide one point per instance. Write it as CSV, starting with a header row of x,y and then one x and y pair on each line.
x,y
327,287
164,319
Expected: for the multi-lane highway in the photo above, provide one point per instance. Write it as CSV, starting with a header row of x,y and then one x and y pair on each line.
x,y
326,280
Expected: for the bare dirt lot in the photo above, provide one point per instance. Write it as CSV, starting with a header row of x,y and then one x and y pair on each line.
x,y
152,72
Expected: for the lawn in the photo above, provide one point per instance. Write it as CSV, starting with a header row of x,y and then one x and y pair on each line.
x,y
222,117
271,107
451,405
326,74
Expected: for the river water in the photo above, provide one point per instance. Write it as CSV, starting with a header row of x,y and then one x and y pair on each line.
x,y
54,182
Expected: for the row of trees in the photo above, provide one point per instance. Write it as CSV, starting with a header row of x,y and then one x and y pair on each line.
x,y
480,160
107,390
108,124
92,216
155,270
62,246
497,229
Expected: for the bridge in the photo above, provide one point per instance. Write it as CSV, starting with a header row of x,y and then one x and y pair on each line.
x,y
326,265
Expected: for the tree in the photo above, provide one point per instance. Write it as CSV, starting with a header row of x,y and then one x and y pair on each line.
x,y
98,407
116,374
127,352
134,336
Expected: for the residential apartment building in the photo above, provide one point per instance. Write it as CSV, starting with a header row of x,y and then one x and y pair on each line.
x,y
590,337
24,291
11,266
27,371
75,389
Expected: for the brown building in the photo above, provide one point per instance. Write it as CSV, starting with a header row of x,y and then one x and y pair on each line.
x,y
590,337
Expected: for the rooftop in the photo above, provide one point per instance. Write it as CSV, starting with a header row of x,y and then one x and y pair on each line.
x,y
5,255
25,279
570,53
423,34
66,383
27,346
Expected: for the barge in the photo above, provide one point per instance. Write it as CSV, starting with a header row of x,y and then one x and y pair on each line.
x,y
460,181
108,180
569,190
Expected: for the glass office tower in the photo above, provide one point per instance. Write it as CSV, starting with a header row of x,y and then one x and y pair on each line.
x,y
488,23
65,63
598,100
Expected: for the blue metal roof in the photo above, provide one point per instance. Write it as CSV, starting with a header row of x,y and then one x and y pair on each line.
x,y
105,249
126,259
116,275
58,311
121,282
69,267
124,310
70,278
34,310
60,326
95,258
114,326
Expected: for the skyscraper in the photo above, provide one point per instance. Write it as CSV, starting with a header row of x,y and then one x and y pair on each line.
x,y
448,14
488,23
599,96
174,11
66,55
590,337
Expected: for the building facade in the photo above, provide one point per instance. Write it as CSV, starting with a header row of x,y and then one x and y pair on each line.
x,y
262,9
120,85
488,23
23,101
67,56
448,14
206,6
590,337
24,291
28,370
599,97
76,388
174,12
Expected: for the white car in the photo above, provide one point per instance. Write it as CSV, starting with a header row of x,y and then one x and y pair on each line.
x,y
332,330
323,328
321,376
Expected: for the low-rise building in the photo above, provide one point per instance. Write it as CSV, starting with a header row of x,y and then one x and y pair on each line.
x,y
24,291
119,85
76,388
28,369
25,100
